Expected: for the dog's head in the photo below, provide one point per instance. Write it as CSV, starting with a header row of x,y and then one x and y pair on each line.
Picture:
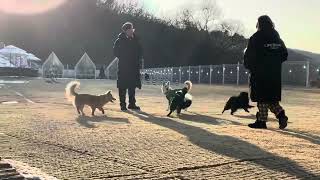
x,y
165,87
108,97
244,95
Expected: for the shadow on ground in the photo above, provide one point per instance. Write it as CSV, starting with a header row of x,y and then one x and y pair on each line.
x,y
226,145
301,135
253,117
205,119
89,121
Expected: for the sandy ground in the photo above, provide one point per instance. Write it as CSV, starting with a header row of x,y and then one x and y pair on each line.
x,y
44,131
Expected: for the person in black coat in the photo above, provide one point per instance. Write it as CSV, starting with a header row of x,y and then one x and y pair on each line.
x,y
128,50
102,74
263,57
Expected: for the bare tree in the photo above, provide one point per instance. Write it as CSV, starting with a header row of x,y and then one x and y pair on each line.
x,y
186,19
109,4
208,13
124,6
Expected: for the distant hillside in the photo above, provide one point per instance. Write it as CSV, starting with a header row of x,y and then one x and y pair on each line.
x,y
312,57
81,26
297,56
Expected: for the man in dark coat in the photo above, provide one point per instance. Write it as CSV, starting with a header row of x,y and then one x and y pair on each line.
x,y
128,50
102,74
264,56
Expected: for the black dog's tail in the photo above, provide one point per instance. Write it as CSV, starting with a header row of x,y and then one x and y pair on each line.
x,y
227,106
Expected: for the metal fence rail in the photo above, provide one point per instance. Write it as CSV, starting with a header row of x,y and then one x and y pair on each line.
x,y
298,73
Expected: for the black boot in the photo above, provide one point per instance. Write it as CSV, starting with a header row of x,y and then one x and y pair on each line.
x,y
258,125
123,108
132,99
133,107
283,120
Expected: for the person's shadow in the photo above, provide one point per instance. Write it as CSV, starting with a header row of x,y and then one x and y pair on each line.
x,y
298,134
89,121
238,149
199,118
302,135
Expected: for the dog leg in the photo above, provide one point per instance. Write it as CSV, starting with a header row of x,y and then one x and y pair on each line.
x,y
178,110
93,109
170,113
102,110
78,110
81,110
233,111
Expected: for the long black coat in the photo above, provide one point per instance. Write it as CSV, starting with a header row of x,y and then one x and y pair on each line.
x,y
264,57
129,53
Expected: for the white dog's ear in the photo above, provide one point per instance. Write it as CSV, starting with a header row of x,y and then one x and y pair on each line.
x,y
109,92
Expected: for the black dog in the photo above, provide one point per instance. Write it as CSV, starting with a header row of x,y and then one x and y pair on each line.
x,y
238,102
180,101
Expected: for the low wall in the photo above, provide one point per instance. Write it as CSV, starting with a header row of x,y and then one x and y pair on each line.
x,y
10,71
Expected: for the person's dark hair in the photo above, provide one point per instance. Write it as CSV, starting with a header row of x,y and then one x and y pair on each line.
x,y
126,26
265,23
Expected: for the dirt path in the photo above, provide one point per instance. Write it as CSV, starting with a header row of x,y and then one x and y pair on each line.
x,y
201,144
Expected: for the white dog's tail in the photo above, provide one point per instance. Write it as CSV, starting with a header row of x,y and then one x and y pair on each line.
x,y
70,89
188,85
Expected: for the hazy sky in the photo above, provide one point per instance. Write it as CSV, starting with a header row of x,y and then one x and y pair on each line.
x,y
29,6
298,21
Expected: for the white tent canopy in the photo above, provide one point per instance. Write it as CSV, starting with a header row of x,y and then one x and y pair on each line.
x,y
34,62
4,62
7,50
16,56
32,57
3,57
85,68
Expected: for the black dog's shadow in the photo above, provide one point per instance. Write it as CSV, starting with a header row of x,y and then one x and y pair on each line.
x,y
88,121
199,118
